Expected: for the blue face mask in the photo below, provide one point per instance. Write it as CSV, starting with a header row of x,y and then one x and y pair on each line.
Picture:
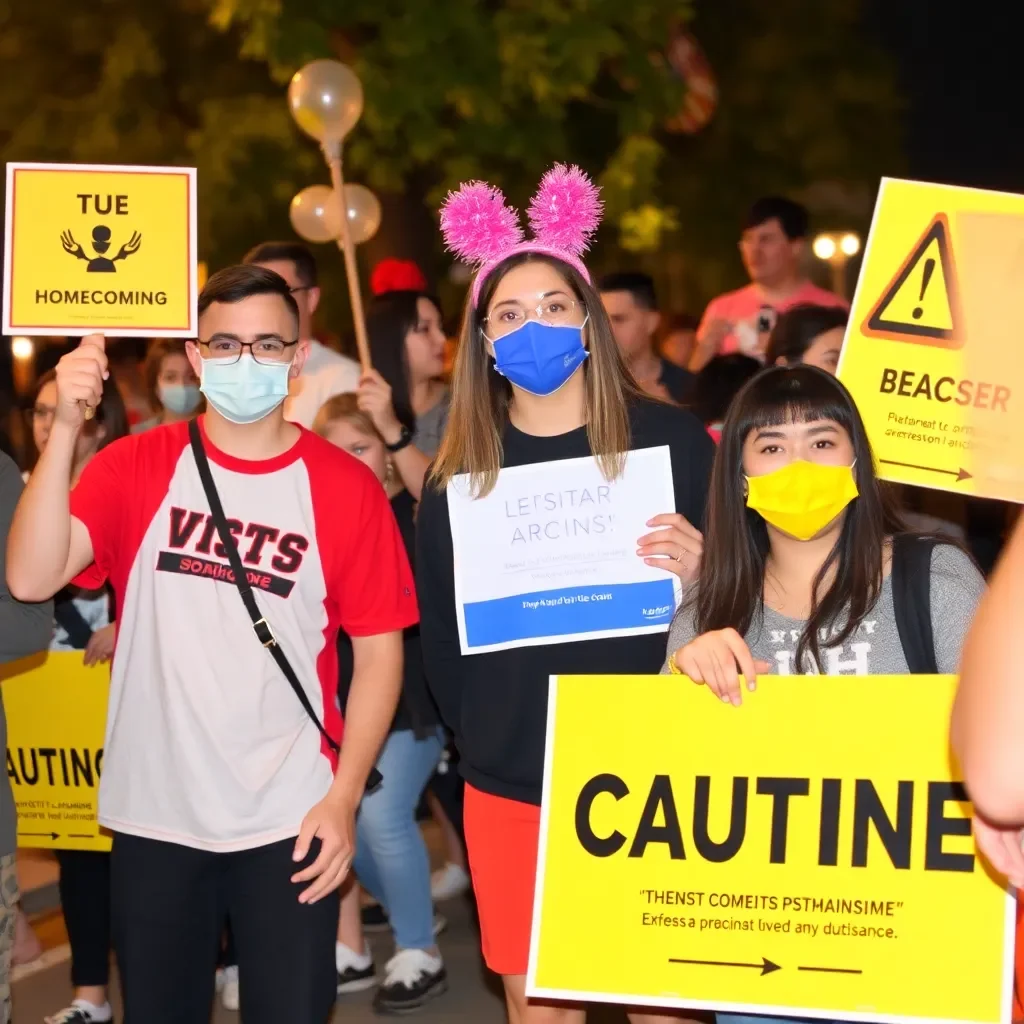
x,y
179,398
539,358
244,391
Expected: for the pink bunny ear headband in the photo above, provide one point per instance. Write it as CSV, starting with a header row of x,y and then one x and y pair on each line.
x,y
482,230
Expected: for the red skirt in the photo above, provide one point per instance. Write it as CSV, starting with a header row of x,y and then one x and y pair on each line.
x,y
502,839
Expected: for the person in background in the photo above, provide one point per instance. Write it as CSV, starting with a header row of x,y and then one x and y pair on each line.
x,y
632,307
717,385
404,394
171,384
407,399
772,247
126,359
679,336
391,860
808,334
84,621
24,630
325,372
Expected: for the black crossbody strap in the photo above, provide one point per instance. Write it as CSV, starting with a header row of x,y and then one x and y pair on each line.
x,y
260,626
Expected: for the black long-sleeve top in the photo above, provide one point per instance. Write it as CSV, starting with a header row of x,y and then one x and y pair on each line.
x,y
496,703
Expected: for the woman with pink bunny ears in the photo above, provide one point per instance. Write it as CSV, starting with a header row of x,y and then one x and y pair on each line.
x,y
537,378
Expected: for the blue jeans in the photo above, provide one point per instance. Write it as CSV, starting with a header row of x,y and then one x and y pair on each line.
x,y
391,860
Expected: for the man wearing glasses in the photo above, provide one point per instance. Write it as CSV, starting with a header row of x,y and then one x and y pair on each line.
x,y
325,373
222,794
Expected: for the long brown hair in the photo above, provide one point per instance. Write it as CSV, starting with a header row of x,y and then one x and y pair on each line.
x,y
730,589
481,398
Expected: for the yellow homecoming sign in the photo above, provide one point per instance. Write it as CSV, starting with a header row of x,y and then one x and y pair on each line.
x,y
56,716
100,248
932,354
807,854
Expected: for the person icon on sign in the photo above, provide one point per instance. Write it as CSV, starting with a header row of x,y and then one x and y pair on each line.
x,y
100,243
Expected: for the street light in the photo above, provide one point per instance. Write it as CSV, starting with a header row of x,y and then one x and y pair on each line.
x,y
835,248
22,349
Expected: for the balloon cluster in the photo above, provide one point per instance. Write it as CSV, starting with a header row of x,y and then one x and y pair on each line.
x,y
326,101
315,217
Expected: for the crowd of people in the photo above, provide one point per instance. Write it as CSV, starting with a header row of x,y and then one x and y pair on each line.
x,y
270,752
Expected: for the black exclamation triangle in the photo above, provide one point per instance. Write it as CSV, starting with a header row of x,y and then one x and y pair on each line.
x,y
929,269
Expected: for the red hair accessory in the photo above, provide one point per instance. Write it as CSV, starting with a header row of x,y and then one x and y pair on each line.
x,y
397,276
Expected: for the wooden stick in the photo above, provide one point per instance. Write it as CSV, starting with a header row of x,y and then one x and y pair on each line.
x,y
332,153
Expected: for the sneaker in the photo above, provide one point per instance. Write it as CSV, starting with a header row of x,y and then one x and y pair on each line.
x,y
411,977
448,883
355,972
375,919
82,1012
227,985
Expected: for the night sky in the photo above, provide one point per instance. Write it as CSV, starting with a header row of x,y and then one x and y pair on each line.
x,y
963,77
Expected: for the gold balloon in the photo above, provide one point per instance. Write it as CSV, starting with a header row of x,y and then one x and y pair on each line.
x,y
363,214
308,213
326,99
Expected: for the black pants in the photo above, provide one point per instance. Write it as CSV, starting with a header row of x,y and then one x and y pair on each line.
x,y
169,906
85,900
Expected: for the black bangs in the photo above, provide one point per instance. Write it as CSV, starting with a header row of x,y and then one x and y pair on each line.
x,y
790,394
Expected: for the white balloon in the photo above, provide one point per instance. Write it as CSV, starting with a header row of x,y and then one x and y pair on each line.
x,y
364,214
308,213
326,99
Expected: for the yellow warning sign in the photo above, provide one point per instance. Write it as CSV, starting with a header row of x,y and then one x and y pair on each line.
x,y
694,855
56,711
932,353
921,303
100,248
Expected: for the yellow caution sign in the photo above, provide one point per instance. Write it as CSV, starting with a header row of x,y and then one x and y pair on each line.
x,y
932,353
56,717
765,859
100,248
921,305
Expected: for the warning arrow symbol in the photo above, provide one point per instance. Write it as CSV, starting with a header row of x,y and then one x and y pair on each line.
x,y
765,966
921,302
960,474
40,835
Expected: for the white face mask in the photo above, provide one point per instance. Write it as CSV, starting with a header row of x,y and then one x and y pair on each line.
x,y
244,391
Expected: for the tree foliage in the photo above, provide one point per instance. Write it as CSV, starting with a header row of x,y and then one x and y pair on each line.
x,y
457,89
500,89
116,81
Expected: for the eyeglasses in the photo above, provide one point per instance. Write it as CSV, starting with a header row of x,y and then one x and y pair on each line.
x,y
555,311
264,350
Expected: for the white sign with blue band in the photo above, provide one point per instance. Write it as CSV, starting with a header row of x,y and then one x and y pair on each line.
x,y
549,556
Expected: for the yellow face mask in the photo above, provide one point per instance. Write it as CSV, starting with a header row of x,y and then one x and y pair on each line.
x,y
802,498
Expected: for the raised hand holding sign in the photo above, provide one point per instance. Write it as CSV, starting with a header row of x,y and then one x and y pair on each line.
x,y
80,377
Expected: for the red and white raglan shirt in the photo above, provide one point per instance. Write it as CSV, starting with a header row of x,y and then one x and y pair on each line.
x,y
207,745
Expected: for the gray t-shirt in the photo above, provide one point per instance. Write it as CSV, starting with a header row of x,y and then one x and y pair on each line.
x,y
874,649
430,427
24,629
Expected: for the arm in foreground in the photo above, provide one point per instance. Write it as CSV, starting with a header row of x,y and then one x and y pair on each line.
x,y
24,627
373,697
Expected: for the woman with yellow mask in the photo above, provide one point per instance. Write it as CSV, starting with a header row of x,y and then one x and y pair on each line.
x,y
807,569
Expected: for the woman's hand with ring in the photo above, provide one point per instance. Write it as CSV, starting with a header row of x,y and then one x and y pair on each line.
x,y
676,547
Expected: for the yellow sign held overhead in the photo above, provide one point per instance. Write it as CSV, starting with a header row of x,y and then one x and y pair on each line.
x,y
56,711
920,305
803,855
100,248
932,353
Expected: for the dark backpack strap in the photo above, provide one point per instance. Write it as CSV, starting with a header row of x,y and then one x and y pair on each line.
x,y
69,618
912,601
260,626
